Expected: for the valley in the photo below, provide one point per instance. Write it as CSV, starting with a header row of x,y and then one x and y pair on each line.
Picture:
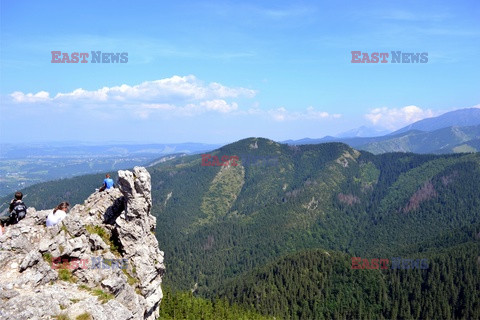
x,y
22,165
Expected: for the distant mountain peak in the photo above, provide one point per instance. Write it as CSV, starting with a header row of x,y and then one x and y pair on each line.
x,y
457,118
362,132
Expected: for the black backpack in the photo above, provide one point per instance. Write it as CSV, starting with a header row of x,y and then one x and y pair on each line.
x,y
19,211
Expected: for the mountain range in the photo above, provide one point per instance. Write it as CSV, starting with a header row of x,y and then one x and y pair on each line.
x,y
453,132
457,118
362,132
22,165
279,235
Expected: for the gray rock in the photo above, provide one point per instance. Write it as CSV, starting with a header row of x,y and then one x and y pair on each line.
x,y
138,243
44,245
33,287
7,293
96,243
30,259
114,284
74,226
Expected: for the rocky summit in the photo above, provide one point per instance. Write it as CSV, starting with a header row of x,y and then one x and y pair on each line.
x,y
101,262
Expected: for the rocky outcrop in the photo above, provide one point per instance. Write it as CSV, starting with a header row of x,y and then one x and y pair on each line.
x,y
102,260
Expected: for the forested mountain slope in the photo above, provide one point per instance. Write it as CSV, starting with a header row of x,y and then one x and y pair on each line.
x,y
219,224
317,284
222,221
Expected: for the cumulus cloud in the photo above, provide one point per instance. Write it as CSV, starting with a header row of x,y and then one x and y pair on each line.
x,y
18,96
177,95
176,87
395,118
219,105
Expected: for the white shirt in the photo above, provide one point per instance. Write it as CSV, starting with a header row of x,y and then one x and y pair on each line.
x,y
54,218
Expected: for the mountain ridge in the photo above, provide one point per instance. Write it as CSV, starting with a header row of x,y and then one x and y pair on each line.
x,y
457,118
419,136
218,223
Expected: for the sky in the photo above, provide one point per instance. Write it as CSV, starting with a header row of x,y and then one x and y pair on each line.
x,y
221,71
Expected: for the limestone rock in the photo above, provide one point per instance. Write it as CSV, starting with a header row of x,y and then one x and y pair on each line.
x,y
138,242
30,259
102,259
96,243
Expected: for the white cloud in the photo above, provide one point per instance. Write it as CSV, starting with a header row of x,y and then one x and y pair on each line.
x,y
176,96
219,105
158,106
282,114
18,96
279,114
176,87
183,96
395,118
313,114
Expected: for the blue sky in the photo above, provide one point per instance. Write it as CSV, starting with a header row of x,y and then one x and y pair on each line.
x,y
219,71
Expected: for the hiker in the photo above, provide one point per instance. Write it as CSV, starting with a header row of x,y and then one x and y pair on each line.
x,y
17,210
57,214
107,183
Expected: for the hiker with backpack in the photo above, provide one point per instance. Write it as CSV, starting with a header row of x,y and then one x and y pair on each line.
x,y
17,210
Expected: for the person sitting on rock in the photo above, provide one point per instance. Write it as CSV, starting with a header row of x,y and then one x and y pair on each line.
x,y
107,183
17,210
58,214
